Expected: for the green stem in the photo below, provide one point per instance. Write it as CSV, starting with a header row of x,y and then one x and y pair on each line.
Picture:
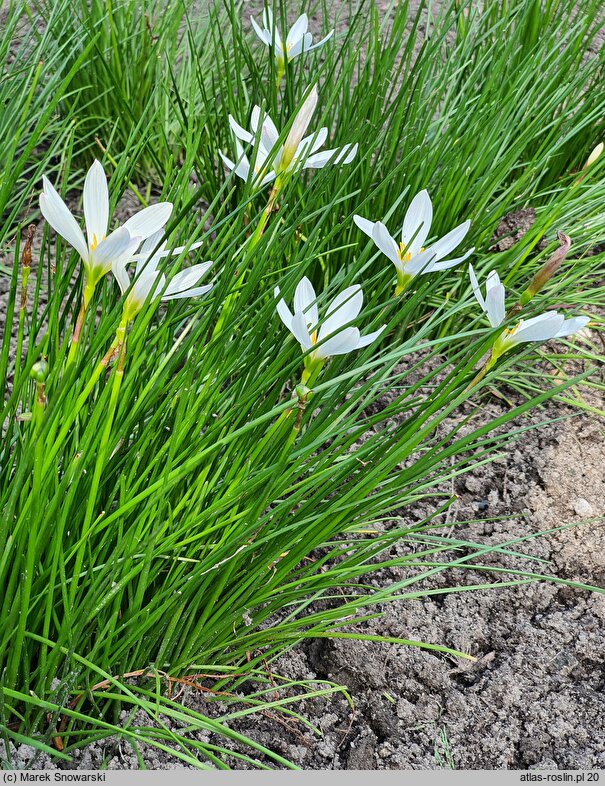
x,y
16,659
89,289
120,342
281,70
482,372
403,281
304,392
231,298
101,366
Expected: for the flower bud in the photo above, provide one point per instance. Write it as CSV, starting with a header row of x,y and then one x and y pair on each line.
x,y
594,155
548,269
298,129
39,371
302,391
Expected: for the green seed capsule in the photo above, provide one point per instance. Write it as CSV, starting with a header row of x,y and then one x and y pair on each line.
x,y
39,371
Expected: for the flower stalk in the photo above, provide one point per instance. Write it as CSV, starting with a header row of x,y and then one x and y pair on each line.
x,y
270,208
26,258
403,281
101,460
87,295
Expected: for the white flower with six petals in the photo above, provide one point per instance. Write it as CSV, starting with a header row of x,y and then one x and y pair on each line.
x,y
147,277
332,336
410,256
297,41
297,151
99,250
544,327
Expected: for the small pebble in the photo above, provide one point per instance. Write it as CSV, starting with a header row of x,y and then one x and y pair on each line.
x,y
582,507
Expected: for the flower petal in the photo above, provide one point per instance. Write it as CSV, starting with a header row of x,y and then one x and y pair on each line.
x,y
305,301
269,134
449,242
318,160
118,245
241,132
56,212
347,154
227,161
388,246
148,280
493,279
300,331
149,220
242,167
571,326
344,341
319,43
146,259
495,307
311,143
338,155
476,288
186,279
96,204
299,127
118,268
179,249
191,292
343,309
268,19
269,178
540,328
446,264
417,223
363,224
264,35
284,312
271,28
369,337
302,45
297,31
255,117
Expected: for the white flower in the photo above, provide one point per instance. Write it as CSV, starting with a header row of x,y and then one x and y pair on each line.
x,y
410,256
331,337
98,250
545,326
298,39
147,277
297,150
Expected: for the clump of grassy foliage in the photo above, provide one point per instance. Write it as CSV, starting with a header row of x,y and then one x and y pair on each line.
x,y
179,509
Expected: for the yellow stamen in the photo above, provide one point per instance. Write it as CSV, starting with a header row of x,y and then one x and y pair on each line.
x,y
95,242
404,255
